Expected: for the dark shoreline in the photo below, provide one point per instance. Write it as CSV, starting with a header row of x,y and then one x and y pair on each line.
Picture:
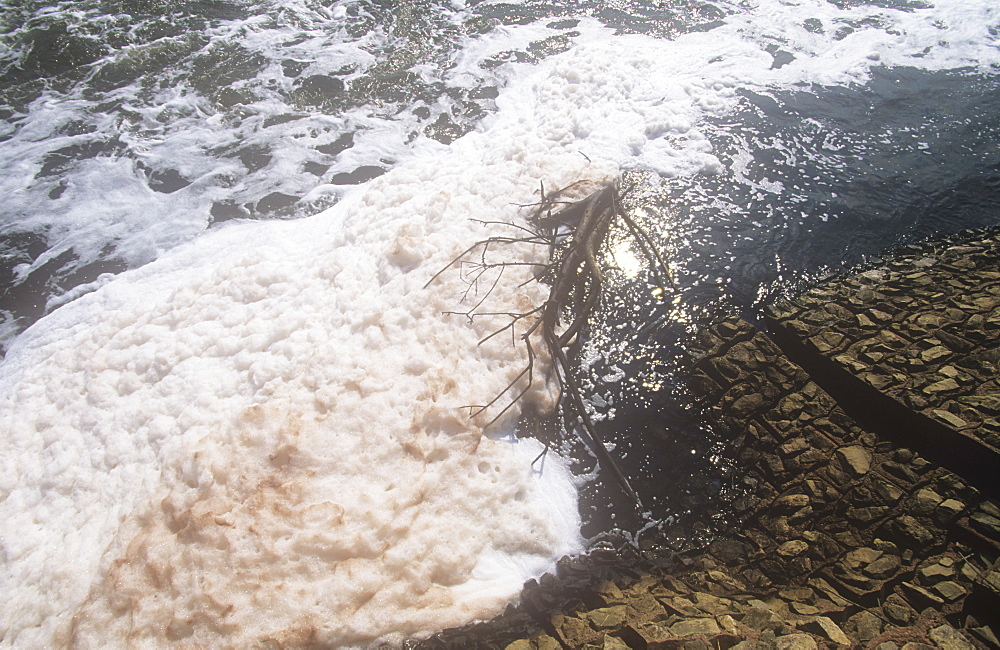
x,y
869,444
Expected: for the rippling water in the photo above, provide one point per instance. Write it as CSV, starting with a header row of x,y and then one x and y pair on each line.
x,y
779,141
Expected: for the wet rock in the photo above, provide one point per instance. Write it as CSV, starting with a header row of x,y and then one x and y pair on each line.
x,y
574,632
804,609
920,596
897,610
911,531
934,572
646,635
925,501
758,618
861,557
607,617
644,609
884,567
864,626
949,418
950,590
792,501
948,637
856,459
795,642
947,510
792,548
538,641
986,634
728,551
986,524
945,385
824,627
695,626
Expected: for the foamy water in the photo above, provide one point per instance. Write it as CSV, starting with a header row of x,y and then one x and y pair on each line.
x,y
264,434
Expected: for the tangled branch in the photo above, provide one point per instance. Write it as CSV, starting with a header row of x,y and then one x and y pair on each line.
x,y
574,232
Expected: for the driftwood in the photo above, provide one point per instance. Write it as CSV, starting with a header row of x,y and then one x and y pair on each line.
x,y
574,233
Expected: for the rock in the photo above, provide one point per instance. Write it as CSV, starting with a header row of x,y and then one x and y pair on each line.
x,y
607,617
758,618
935,353
644,609
696,644
537,641
792,501
646,635
799,594
728,551
897,610
746,405
921,595
614,643
912,531
937,571
942,386
868,514
792,548
949,418
948,637
804,609
608,593
823,626
985,633
986,524
862,556
695,626
866,626
856,459
884,567
925,501
795,642
543,641
711,604
949,590
574,632
683,606
727,623
947,510
888,492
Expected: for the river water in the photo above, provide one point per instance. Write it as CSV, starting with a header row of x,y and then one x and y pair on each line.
x,y
219,219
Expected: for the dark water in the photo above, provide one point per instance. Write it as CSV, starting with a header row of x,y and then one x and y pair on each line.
x,y
909,157
130,127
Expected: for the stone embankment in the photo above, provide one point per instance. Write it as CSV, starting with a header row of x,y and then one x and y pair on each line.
x,y
870,473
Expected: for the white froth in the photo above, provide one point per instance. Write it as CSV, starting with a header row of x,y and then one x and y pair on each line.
x,y
262,436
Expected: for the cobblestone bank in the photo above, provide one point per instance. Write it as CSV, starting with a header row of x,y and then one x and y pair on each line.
x,y
846,536
923,330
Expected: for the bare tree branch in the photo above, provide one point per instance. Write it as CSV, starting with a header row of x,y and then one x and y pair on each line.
x,y
575,234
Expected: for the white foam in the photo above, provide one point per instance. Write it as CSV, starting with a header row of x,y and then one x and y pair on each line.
x,y
275,414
